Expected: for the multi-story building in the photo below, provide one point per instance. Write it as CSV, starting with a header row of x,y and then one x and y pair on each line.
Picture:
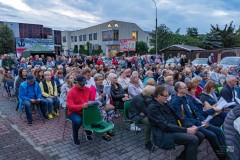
x,y
26,35
107,35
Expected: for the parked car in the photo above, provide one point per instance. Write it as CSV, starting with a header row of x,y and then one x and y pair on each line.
x,y
198,61
169,61
230,62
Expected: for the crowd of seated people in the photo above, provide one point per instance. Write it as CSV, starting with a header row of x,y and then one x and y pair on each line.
x,y
171,101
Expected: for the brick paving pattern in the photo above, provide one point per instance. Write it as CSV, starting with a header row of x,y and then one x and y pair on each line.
x,y
45,141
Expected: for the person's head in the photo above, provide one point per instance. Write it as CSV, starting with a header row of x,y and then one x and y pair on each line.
x,y
161,94
134,79
98,79
168,80
23,60
181,88
128,72
47,75
122,73
177,76
165,73
81,81
231,81
36,56
191,88
197,80
69,80
148,91
203,76
151,82
113,78
149,74
1,70
209,87
188,74
30,79
215,68
29,67
22,73
43,68
87,73
60,73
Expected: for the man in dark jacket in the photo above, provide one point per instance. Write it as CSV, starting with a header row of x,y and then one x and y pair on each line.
x,y
168,129
190,113
138,112
228,92
8,63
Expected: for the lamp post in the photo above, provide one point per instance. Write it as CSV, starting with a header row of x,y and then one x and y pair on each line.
x,y
156,24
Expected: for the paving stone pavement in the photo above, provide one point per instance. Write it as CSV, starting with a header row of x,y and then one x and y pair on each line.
x,y
45,141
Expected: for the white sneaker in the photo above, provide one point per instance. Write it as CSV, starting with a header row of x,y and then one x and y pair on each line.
x,y
135,128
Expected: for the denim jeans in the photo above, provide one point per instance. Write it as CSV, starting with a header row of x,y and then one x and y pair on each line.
x,y
27,105
52,102
76,123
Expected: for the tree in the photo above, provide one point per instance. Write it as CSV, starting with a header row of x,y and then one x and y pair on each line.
x,y
141,47
75,50
192,31
6,40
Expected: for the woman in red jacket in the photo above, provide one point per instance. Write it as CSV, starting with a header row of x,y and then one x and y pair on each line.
x,y
77,100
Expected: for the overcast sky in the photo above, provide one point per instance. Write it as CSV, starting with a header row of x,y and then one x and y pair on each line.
x,y
77,14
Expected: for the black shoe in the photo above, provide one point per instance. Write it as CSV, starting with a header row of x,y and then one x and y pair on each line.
x,y
106,138
88,135
75,141
30,123
149,146
94,125
110,133
46,117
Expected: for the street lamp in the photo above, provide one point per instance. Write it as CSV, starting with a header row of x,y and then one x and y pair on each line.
x,y
156,24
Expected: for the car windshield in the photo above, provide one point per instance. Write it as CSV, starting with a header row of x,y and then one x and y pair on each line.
x,y
230,61
200,61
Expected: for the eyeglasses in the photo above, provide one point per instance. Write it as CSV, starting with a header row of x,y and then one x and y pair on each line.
x,y
184,88
166,96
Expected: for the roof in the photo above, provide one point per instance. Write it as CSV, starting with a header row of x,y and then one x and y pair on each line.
x,y
182,47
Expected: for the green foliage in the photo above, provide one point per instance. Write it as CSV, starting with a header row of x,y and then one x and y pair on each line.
x,y
141,47
82,49
98,51
75,50
6,40
192,32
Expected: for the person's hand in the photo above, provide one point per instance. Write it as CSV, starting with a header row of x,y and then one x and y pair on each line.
x,y
32,100
217,109
126,95
204,124
50,97
103,94
85,105
142,114
192,130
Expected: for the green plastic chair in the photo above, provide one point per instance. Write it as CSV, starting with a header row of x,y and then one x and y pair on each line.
x,y
66,120
92,115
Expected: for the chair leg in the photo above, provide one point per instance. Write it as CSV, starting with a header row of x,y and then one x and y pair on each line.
x,y
170,154
40,113
59,115
65,124
151,152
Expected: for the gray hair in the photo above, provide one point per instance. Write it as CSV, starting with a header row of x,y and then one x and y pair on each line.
x,y
149,72
97,76
230,78
133,76
111,76
168,79
47,73
135,73
196,78
148,90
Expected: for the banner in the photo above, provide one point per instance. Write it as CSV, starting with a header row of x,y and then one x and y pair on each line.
x,y
23,44
127,45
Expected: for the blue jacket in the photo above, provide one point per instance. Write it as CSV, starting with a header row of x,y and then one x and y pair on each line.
x,y
201,114
58,82
194,118
24,92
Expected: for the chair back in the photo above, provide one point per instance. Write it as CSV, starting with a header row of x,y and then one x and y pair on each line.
x,y
91,115
127,104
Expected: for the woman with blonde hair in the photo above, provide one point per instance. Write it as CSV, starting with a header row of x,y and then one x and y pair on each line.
x,y
68,84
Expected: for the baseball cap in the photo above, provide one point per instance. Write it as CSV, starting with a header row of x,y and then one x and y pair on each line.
x,y
30,77
202,75
81,80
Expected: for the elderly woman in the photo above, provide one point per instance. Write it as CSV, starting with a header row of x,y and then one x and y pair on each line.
x,y
199,89
169,85
107,109
68,84
117,93
22,76
151,82
123,80
23,63
134,86
149,76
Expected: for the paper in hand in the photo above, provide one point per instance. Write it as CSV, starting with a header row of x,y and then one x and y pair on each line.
x,y
107,89
208,119
94,103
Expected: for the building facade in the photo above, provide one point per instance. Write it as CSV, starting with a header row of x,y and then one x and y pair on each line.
x,y
32,33
106,35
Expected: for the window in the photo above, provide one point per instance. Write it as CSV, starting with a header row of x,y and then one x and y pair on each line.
x,y
80,38
90,37
71,38
109,25
134,35
95,36
64,39
84,37
115,35
75,38
116,25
